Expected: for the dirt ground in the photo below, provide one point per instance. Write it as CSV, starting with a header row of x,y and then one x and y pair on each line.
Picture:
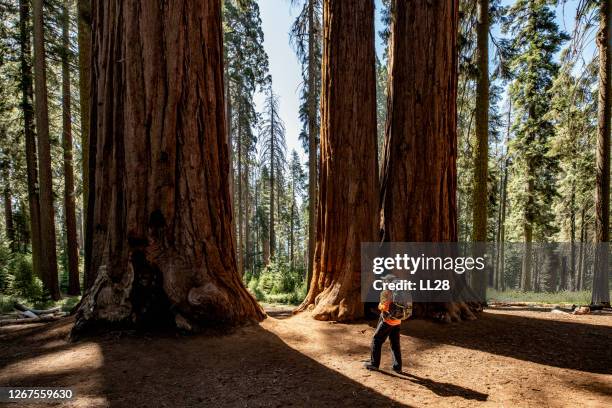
x,y
504,359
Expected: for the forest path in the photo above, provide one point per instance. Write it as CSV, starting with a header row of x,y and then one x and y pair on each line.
x,y
503,359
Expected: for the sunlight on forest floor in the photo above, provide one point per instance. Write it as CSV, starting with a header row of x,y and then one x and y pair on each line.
x,y
504,358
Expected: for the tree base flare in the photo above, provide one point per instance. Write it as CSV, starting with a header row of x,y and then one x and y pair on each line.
x,y
331,305
447,312
124,304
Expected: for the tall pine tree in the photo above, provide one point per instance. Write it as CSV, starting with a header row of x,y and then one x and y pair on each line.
x,y
536,39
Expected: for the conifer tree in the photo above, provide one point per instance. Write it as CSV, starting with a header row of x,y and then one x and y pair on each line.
x,y
535,41
273,148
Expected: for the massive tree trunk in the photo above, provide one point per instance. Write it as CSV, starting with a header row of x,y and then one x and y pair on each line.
x,y
312,142
601,292
84,43
481,157
27,97
419,168
69,205
48,256
162,214
348,182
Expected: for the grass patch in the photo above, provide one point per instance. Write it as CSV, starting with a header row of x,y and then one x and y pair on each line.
x,y
565,297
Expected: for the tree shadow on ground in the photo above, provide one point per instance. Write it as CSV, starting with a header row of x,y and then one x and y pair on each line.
x,y
564,344
441,389
249,367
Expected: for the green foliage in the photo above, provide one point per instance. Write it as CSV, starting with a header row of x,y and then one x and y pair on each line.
x,y
277,283
23,282
299,36
5,276
535,41
6,303
574,114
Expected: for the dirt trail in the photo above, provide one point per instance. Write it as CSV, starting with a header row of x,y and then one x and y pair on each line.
x,y
506,358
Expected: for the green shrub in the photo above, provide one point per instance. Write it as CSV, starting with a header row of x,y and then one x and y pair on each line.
x,y
24,284
267,279
253,287
278,283
6,303
5,277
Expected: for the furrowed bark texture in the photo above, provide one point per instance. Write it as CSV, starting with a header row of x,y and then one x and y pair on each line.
x,y
419,182
27,97
348,182
84,44
162,242
48,256
601,292
312,142
74,287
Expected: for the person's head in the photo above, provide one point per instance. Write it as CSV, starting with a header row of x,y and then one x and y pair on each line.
x,y
389,277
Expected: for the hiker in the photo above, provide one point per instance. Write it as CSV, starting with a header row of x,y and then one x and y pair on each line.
x,y
392,312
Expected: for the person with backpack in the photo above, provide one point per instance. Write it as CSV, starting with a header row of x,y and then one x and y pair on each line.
x,y
393,309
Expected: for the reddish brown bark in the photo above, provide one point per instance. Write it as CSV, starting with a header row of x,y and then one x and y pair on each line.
x,y
74,288
162,240
27,96
348,182
312,141
419,181
601,292
84,43
48,256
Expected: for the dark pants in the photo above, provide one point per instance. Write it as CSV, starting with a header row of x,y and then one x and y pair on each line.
x,y
384,330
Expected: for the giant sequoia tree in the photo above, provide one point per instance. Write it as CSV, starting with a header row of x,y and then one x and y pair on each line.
x,y
601,293
69,202
419,167
347,199
48,257
162,242
27,97
84,44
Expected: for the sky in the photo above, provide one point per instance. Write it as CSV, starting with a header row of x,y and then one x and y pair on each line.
x,y
277,17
